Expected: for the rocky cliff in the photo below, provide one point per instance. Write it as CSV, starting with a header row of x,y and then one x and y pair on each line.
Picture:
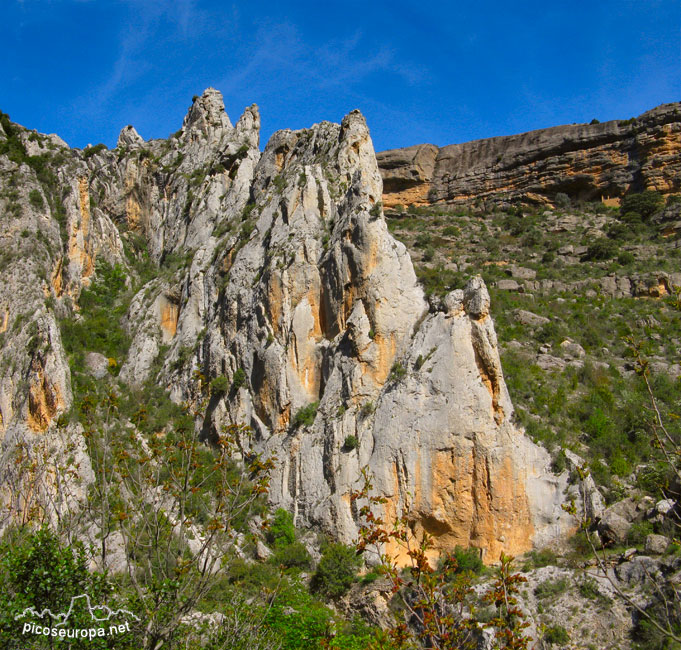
x,y
272,278
585,161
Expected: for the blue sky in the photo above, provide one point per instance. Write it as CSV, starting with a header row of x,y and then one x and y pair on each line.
x,y
419,71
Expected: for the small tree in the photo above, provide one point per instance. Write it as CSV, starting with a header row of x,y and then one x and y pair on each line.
x,y
646,203
336,570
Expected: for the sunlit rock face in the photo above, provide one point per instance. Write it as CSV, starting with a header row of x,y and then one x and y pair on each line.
x,y
586,161
277,267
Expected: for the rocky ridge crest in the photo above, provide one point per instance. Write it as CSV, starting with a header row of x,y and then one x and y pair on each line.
x,y
598,161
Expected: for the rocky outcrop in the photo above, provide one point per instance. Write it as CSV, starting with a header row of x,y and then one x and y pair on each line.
x,y
277,268
585,161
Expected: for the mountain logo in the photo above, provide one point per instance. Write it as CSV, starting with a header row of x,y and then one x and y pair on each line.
x,y
62,618
54,625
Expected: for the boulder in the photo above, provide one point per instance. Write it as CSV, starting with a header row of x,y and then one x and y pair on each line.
x,y
613,528
508,285
549,362
530,319
637,571
572,349
656,544
262,551
97,365
591,498
521,273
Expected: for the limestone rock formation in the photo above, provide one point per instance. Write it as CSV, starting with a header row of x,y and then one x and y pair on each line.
x,y
586,161
276,273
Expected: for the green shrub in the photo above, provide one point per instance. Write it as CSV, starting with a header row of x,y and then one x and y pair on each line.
x,y
298,620
370,577
367,409
601,249
350,443
250,577
562,200
36,199
468,560
376,208
91,151
451,231
646,203
539,559
600,473
239,379
625,258
551,588
281,532
246,229
292,556
556,635
551,332
102,307
619,465
279,182
336,570
219,385
533,238
306,415
440,280
397,372
38,571
638,532
423,240
588,588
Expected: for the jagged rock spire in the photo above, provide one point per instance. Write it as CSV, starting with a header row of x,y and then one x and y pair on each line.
x,y
128,137
207,114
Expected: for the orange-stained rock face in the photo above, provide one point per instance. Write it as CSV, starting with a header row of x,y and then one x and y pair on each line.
x,y
170,313
479,503
44,399
57,278
417,195
132,213
466,499
80,253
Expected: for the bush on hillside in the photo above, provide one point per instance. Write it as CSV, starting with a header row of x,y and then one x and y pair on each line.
x,y
336,570
646,203
282,532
